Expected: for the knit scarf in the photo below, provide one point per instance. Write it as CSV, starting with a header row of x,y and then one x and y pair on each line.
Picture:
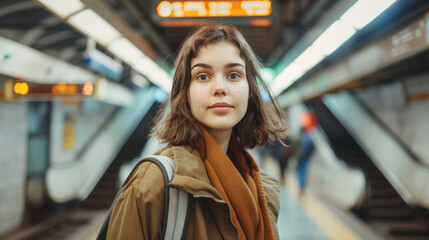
x,y
238,180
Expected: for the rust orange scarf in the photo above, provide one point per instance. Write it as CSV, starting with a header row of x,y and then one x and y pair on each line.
x,y
238,180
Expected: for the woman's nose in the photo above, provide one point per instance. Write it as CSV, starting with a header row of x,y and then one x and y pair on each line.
x,y
219,87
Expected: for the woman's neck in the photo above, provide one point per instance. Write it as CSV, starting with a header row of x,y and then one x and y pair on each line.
x,y
222,137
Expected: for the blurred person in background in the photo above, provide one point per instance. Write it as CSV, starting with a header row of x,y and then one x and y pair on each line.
x,y
281,151
303,148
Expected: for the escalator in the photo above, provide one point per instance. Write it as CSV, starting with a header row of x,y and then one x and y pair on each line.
x,y
385,210
104,192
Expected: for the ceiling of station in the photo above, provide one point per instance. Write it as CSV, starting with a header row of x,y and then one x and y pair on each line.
x,y
25,21
292,19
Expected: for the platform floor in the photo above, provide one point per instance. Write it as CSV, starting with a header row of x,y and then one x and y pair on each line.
x,y
294,223
310,217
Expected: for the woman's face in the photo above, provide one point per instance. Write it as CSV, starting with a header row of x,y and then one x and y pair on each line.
x,y
218,91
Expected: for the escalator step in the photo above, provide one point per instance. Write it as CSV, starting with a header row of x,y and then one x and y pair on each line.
x,y
381,183
410,231
386,203
390,213
384,192
374,174
401,230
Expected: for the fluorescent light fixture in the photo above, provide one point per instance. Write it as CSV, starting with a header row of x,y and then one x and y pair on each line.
x,y
364,11
125,50
95,27
286,78
143,65
304,62
63,8
309,58
355,18
153,72
138,79
324,45
333,37
267,74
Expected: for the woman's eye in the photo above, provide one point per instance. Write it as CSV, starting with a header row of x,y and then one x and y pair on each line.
x,y
234,76
202,77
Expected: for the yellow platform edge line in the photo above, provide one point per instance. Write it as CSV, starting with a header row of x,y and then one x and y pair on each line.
x,y
327,222
93,237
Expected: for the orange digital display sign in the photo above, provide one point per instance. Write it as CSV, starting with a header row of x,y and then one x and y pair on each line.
x,y
201,9
46,90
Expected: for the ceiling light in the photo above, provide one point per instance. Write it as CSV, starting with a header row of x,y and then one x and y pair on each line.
x,y
304,62
95,27
125,50
364,11
309,58
287,77
267,74
324,45
153,72
355,18
63,8
333,37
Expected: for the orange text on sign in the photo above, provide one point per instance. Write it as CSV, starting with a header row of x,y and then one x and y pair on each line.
x,y
237,8
64,89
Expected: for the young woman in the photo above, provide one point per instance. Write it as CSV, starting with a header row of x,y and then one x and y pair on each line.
x,y
216,113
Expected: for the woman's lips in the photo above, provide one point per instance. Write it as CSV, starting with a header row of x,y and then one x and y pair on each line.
x,y
220,107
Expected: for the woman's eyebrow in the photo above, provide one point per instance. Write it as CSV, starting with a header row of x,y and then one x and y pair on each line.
x,y
231,65
203,65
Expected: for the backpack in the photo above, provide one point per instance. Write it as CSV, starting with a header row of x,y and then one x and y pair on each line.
x,y
175,204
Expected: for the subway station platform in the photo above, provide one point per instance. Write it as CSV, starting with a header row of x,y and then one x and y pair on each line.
x,y
81,82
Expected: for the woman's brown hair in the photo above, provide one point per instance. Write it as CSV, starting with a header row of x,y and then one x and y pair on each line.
x,y
262,121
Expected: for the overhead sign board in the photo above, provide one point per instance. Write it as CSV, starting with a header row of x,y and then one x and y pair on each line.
x,y
14,88
185,13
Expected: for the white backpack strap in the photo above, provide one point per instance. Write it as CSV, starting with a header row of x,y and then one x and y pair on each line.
x,y
177,213
175,219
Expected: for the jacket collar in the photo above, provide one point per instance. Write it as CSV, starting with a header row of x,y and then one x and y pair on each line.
x,y
190,175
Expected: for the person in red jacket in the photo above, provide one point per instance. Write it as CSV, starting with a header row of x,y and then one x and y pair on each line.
x,y
304,148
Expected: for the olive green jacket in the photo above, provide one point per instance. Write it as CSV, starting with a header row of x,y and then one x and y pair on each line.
x,y
138,211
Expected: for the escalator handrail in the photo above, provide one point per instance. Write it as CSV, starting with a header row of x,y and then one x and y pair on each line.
x,y
389,131
410,192
76,180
